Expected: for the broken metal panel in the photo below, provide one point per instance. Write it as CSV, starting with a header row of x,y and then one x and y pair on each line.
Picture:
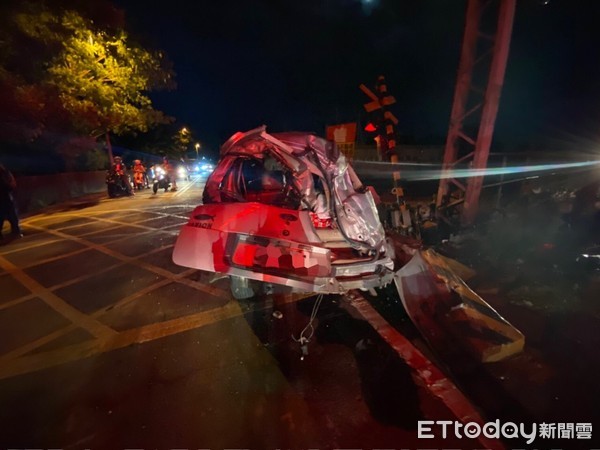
x,y
463,272
354,206
357,214
440,304
324,154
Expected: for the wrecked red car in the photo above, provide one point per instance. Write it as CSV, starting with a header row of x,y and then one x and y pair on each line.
x,y
286,209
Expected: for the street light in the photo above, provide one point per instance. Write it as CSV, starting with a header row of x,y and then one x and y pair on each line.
x,y
197,147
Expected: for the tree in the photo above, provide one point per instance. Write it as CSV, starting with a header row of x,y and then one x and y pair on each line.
x,y
103,80
172,140
182,140
98,75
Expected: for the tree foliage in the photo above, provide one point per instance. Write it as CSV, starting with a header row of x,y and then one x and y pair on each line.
x,y
182,140
103,78
165,139
62,73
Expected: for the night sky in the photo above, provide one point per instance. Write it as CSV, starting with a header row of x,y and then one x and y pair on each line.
x,y
296,65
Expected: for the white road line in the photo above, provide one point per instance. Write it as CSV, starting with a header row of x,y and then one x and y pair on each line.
x,y
184,189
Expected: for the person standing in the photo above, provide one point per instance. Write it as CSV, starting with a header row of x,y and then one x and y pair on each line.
x,y
8,206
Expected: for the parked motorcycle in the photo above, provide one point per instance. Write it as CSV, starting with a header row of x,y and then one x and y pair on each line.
x,y
161,179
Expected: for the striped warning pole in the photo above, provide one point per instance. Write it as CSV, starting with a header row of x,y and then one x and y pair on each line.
x,y
388,125
434,380
386,141
403,218
389,136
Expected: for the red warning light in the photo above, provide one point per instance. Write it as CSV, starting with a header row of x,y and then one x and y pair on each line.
x,y
370,127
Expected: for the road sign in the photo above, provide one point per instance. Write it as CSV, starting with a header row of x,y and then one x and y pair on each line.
x,y
344,135
376,103
341,133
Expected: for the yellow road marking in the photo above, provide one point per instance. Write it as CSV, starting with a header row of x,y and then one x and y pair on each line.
x,y
56,303
99,231
90,212
54,258
40,361
108,339
98,219
45,339
85,276
146,333
37,244
126,300
140,263
30,346
16,301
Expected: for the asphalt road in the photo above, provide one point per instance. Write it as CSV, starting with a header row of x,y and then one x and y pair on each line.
x,y
105,343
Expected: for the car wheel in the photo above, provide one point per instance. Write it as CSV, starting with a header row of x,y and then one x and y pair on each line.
x,y
240,288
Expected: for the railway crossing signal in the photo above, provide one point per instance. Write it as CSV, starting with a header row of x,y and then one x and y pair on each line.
x,y
386,140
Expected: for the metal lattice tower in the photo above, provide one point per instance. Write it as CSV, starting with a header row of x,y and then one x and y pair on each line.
x,y
483,62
